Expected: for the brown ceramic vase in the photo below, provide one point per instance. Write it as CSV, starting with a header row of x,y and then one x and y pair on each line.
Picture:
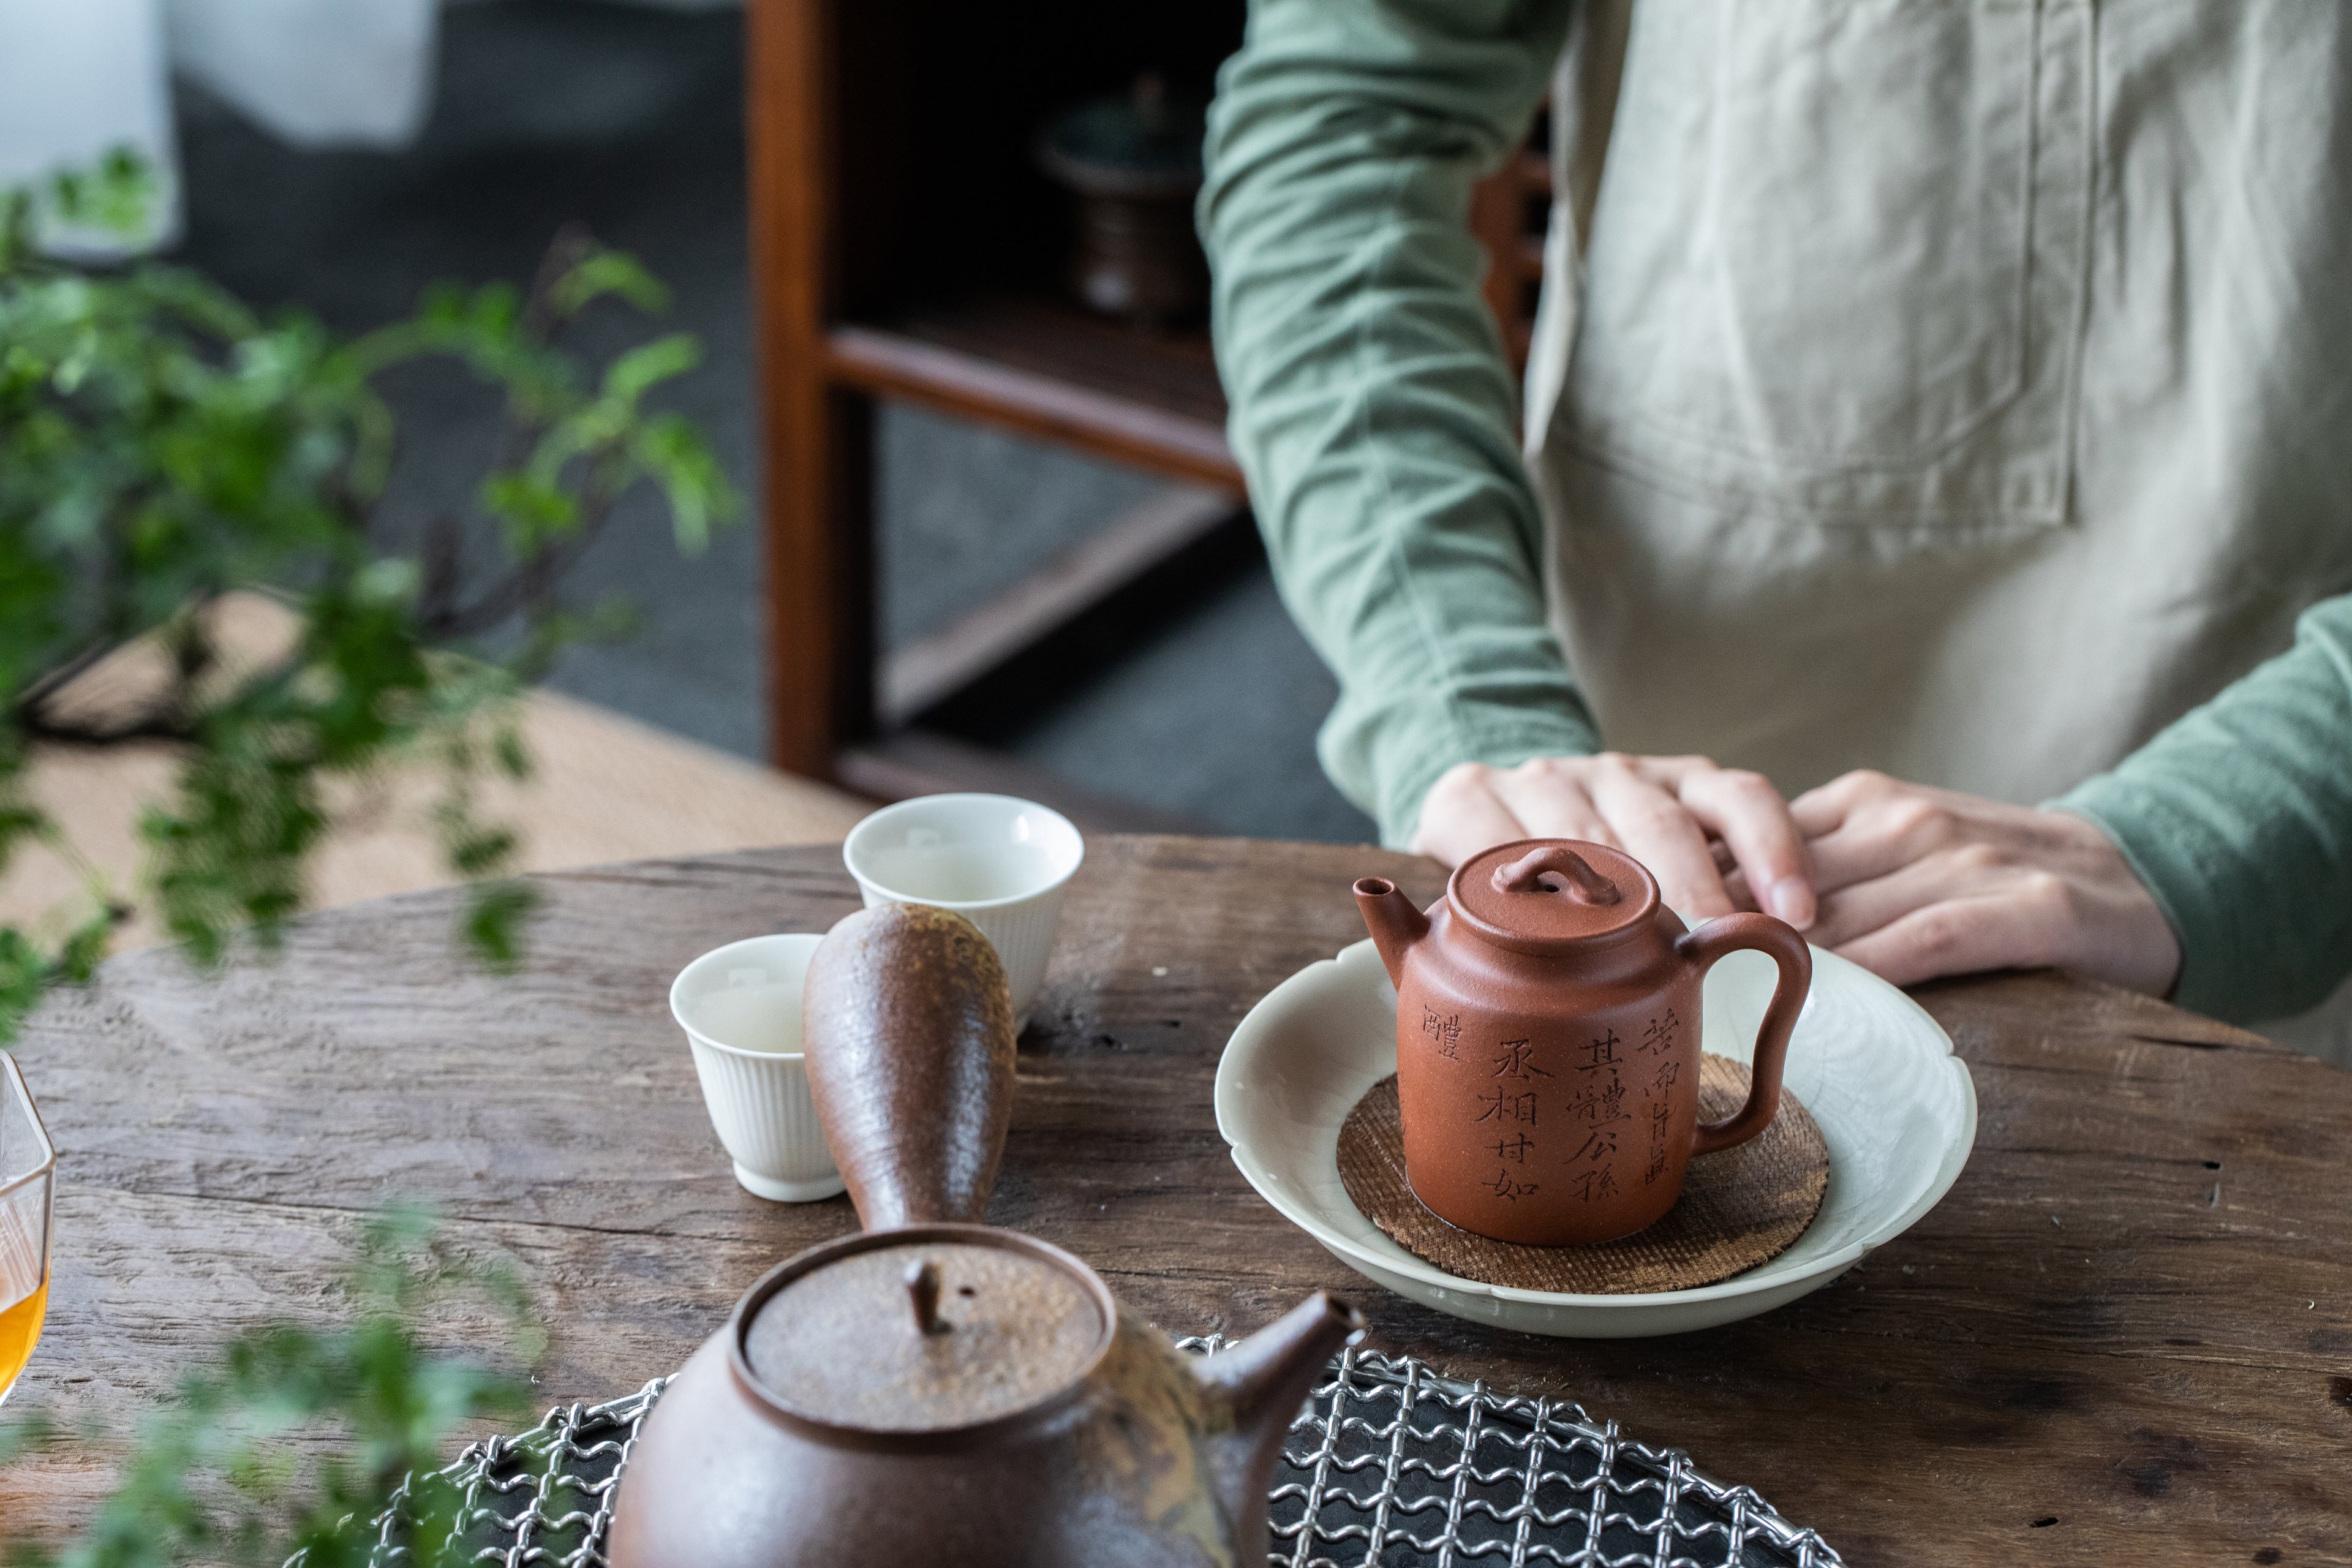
x,y
935,1390
1547,1041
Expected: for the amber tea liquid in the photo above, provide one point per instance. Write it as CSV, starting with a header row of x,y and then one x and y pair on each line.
x,y
25,1289
20,1329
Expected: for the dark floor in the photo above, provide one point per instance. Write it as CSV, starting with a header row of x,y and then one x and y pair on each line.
x,y
630,119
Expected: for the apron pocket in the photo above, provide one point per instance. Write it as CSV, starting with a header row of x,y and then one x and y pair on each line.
x,y
1836,264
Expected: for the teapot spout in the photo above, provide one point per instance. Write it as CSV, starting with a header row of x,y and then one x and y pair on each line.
x,y
1394,922
1261,1382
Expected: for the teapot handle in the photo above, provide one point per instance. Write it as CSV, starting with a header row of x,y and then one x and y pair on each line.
x,y
1731,933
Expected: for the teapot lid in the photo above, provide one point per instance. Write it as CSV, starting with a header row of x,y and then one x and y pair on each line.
x,y
923,1330
1538,894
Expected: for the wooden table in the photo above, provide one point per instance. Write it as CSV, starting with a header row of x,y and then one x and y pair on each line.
x,y
2125,1337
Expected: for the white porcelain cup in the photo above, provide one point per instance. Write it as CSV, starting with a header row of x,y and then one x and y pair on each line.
x,y
740,1008
999,861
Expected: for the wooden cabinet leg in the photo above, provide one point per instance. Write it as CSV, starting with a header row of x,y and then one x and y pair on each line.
x,y
819,570
819,438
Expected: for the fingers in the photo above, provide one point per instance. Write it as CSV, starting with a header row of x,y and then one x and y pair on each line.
x,y
1553,797
1692,823
1915,883
1657,829
1959,936
1866,825
1463,815
1821,809
1860,908
1754,823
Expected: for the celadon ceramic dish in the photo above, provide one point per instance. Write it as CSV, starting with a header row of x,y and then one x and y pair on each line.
x,y
1895,1105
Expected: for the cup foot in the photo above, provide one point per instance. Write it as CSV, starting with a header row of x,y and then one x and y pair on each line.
x,y
775,1191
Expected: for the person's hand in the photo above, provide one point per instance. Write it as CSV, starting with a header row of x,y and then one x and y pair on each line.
x,y
1671,814
1918,882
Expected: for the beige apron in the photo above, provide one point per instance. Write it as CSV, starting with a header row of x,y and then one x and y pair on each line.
x,y
1961,390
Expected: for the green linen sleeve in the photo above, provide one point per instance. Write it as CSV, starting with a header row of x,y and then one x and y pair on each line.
x,y
2238,820
1372,409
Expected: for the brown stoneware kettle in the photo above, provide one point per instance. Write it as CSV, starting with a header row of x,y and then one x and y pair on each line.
x,y
1547,1041
935,1390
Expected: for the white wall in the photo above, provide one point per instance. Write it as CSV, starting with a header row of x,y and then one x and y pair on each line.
x,y
79,78
314,72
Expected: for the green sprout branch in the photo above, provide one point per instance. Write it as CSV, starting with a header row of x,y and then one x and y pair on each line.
x,y
161,445
213,1478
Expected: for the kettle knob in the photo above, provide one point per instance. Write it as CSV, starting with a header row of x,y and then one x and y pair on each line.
x,y
1556,869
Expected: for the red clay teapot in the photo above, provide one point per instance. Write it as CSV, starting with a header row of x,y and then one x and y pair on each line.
x,y
1547,1041
936,1390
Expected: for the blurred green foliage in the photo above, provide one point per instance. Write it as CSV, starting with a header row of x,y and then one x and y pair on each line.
x,y
213,1478
161,445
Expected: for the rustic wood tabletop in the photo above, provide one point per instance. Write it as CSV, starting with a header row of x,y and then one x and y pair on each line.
x,y
2124,1337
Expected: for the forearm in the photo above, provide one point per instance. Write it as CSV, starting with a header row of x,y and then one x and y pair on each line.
x,y
1372,410
2238,820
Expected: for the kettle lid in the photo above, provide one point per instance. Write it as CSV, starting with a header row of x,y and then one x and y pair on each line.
x,y
1539,894
927,1329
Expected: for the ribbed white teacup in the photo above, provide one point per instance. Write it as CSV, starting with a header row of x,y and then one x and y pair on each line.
x,y
740,1008
998,860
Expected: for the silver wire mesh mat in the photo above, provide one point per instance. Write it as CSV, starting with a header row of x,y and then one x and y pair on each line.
x,y
540,1499
1389,1465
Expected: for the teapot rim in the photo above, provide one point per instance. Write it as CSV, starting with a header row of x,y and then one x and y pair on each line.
x,y
934,1439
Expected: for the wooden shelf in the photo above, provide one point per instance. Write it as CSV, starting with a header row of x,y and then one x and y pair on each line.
x,y
906,245
1052,371
1128,549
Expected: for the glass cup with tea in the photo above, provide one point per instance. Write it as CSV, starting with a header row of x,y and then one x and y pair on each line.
x,y
28,1163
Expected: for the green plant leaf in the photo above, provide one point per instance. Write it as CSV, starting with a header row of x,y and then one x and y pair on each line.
x,y
673,451
632,373
118,196
160,444
215,1475
534,507
609,272
493,917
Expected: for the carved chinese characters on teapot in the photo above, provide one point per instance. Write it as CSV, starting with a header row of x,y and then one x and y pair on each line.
x,y
1547,1041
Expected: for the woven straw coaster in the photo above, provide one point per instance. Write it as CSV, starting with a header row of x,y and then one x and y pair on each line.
x,y
1738,1208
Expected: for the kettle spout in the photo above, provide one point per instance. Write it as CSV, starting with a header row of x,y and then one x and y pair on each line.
x,y
1262,1382
1393,922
